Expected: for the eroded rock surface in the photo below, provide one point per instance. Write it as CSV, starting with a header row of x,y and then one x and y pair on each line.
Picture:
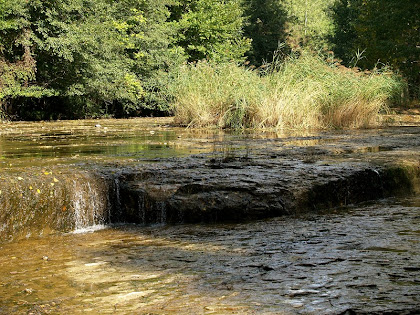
x,y
268,177
353,260
199,189
232,178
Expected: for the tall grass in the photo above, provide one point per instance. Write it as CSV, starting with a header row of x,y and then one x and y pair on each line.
x,y
301,92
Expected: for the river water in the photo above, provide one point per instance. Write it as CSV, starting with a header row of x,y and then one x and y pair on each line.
x,y
357,259
363,258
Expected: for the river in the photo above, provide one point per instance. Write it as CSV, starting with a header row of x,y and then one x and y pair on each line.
x,y
353,259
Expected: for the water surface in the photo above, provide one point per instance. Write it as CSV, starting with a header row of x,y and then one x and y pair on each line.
x,y
361,258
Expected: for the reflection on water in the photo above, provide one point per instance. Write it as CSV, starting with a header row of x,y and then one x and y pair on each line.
x,y
362,258
50,143
73,141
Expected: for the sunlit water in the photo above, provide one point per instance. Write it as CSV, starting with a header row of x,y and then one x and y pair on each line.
x,y
361,258
45,144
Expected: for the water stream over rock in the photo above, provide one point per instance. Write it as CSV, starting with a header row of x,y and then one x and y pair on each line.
x,y
106,175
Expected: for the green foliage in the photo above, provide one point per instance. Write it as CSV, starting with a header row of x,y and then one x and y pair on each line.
x,y
309,24
78,58
266,28
81,50
158,54
387,31
209,29
96,55
17,65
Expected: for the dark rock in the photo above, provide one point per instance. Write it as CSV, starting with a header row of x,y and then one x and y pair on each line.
x,y
271,179
192,190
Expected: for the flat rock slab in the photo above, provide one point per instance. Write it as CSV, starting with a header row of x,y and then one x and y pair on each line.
x,y
206,189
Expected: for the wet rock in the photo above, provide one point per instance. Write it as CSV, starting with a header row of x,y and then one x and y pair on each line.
x,y
262,267
192,190
188,264
300,292
399,311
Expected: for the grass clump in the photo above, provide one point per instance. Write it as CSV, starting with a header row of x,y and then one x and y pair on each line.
x,y
300,92
221,95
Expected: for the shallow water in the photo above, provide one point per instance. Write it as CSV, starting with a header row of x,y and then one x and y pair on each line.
x,y
26,144
51,143
361,258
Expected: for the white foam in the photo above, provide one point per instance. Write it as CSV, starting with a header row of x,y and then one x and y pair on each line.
x,y
89,229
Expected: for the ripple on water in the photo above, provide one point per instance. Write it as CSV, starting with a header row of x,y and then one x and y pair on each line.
x,y
356,258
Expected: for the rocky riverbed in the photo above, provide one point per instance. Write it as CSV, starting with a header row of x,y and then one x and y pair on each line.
x,y
353,260
230,178
290,223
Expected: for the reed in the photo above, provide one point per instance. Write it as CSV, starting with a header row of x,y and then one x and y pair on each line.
x,y
300,92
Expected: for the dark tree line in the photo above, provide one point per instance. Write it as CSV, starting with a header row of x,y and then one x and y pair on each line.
x,y
375,32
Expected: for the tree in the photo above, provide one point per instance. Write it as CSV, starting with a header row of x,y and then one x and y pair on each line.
x,y
71,48
266,28
158,52
387,31
209,29
309,24
93,56
17,64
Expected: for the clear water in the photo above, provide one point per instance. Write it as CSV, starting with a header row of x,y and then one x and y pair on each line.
x,y
362,258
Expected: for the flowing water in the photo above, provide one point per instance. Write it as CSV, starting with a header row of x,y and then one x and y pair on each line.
x,y
362,258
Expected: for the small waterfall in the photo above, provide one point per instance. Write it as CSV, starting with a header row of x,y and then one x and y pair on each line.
x,y
90,204
117,195
78,201
149,210
61,199
161,212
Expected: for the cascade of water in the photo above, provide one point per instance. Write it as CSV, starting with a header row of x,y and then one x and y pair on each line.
x,y
89,204
78,202
109,206
98,205
118,209
161,212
